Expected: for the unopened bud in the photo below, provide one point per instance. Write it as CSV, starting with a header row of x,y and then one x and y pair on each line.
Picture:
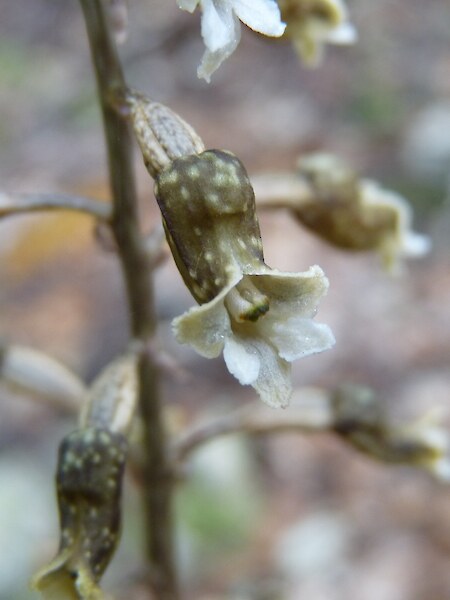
x,y
162,135
110,402
89,480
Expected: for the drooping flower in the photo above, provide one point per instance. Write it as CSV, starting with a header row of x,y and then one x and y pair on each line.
x,y
359,419
259,317
403,242
313,23
357,214
221,29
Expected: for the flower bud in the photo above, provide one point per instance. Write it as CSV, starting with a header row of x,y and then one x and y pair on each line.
x,y
110,402
89,478
162,135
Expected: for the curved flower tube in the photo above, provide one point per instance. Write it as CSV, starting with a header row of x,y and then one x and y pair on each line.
x,y
357,214
260,318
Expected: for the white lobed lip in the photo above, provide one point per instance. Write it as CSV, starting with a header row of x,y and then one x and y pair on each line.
x,y
259,353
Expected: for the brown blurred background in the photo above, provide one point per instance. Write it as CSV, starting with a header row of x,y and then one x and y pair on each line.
x,y
287,518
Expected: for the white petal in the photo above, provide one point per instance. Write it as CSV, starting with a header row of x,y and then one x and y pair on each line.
x,y
205,327
189,5
407,243
218,25
441,469
344,34
415,244
260,15
292,293
273,381
241,363
211,61
297,337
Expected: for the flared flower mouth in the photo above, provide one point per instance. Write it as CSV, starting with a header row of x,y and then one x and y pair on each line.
x,y
62,580
401,242
357,214
261,322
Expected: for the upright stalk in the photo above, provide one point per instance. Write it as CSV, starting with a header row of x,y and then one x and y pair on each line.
x,y
139,286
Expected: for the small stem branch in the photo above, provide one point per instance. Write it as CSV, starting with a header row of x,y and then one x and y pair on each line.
x,y
41,376
157,479
15,204
281,190
310,416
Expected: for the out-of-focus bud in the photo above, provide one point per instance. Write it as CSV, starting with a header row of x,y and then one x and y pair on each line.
x,y
310,24
162,135
33,372
89,477
110,402
358,419
356,214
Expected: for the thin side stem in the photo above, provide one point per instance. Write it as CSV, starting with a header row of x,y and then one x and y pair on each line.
x,y
313,415
15,204
281,190
137,273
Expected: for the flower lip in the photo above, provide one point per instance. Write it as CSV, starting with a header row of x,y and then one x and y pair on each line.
x,y
259,351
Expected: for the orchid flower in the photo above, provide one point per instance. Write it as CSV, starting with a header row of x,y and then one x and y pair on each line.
x,y
260,318
357,214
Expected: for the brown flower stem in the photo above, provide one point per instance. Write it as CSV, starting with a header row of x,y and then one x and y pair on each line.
x,y
15,204
157,479
313,415
281,190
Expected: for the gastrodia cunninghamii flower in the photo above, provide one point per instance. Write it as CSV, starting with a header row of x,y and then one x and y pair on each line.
x,y
313,23
221,29
359,419
357,214
259,317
